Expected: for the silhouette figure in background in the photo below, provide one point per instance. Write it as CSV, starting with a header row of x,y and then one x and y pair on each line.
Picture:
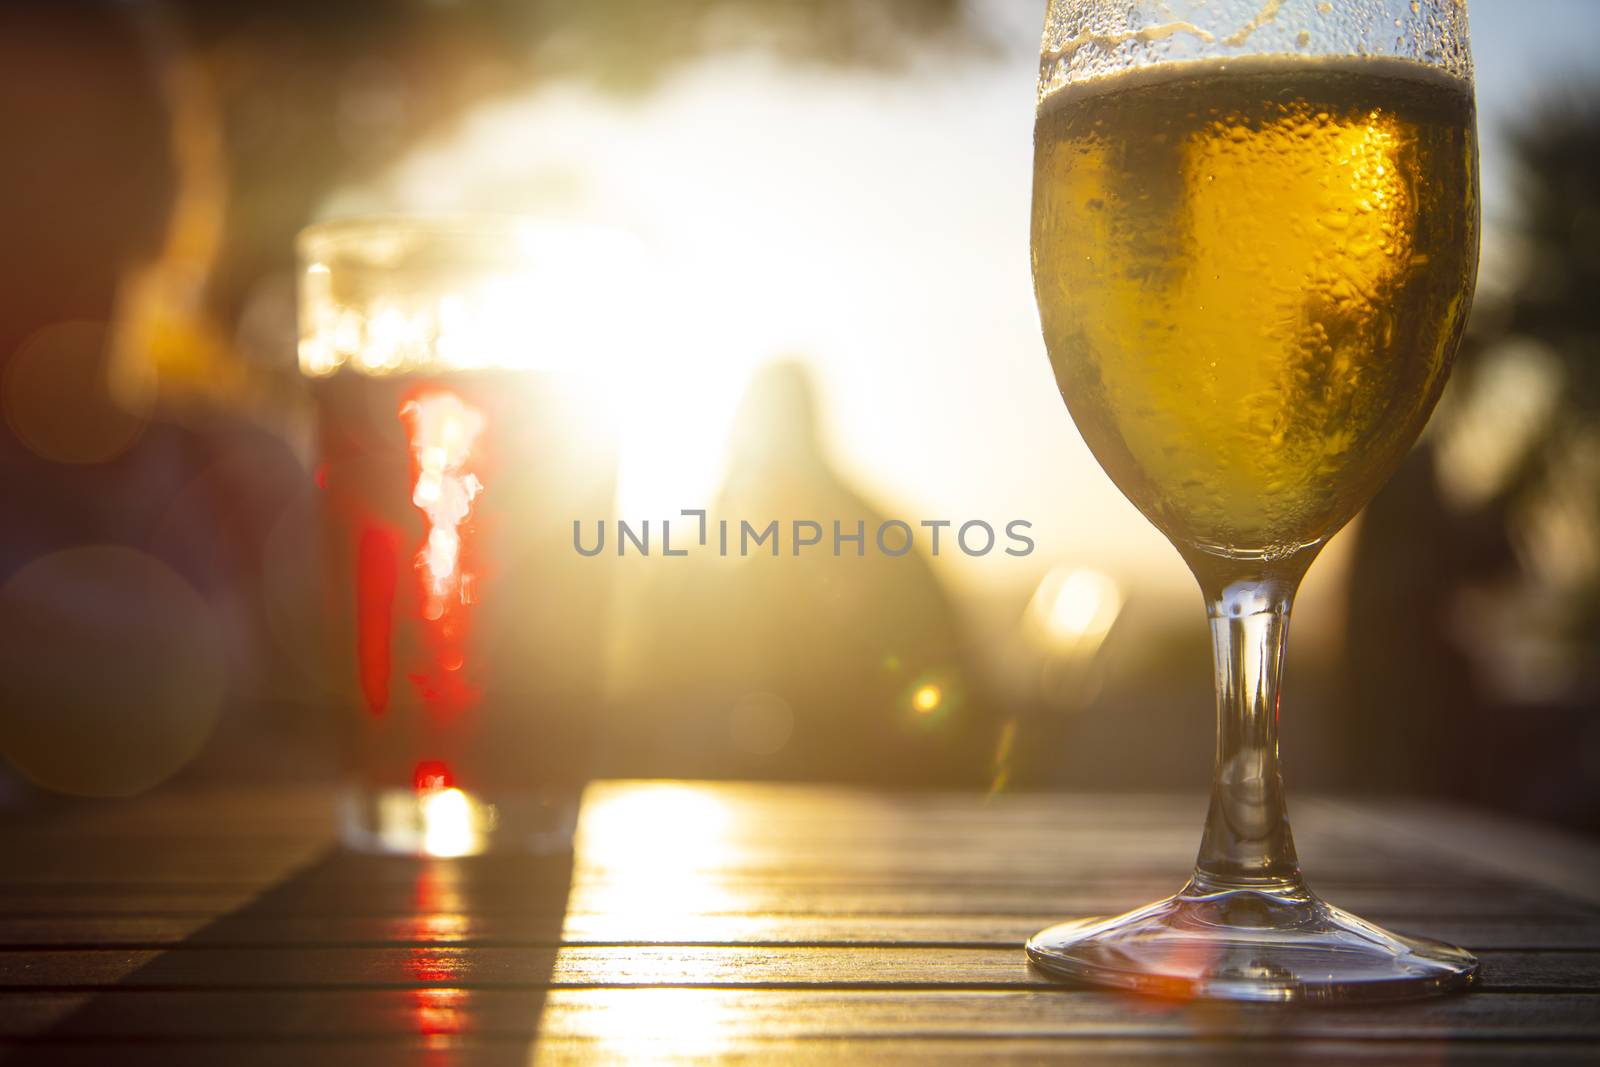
x,y
1474,623
812,666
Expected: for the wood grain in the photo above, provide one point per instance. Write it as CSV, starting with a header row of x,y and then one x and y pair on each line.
x,y
794,924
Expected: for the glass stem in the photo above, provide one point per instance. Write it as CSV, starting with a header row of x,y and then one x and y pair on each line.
x,y
1247,843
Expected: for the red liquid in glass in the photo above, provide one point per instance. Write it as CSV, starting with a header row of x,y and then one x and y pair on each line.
x,y
467,634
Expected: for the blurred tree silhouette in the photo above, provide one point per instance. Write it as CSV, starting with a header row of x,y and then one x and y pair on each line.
x,y
1474,636
313,95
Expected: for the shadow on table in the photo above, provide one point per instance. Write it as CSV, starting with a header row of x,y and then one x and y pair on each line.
x,y
395,959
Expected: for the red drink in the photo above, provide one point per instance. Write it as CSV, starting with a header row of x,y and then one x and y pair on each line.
x,y
467,634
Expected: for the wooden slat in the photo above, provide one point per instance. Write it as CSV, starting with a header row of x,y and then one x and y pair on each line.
x,y
633,965
522,931
1086,859
634,906
707,892
707,1015
1479,841
998,1049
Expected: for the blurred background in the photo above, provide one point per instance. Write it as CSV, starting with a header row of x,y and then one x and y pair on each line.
x,y
826,204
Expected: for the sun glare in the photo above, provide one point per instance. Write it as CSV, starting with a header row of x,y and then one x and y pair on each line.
x,y
645,1026
545,299
656,850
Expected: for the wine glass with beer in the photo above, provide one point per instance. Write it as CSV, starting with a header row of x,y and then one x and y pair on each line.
x,y
1255,238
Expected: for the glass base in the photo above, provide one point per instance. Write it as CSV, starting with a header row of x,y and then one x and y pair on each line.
x,y
1250,945
456,822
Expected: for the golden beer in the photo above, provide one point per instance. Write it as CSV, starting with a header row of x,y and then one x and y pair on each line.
x,y
1252,277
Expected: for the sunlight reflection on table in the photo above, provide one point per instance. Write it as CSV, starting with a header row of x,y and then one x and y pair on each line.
x,y
645,1025
657,852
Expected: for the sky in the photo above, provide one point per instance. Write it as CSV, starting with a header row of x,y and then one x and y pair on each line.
x,y
874,224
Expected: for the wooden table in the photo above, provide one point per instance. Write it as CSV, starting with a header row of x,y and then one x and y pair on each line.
x,y
769,923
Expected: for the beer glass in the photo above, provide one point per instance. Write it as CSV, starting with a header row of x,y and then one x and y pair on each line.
x,y
1255,239
457,446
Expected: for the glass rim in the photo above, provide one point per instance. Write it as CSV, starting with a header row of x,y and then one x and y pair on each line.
x,y
345,233
1087,40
